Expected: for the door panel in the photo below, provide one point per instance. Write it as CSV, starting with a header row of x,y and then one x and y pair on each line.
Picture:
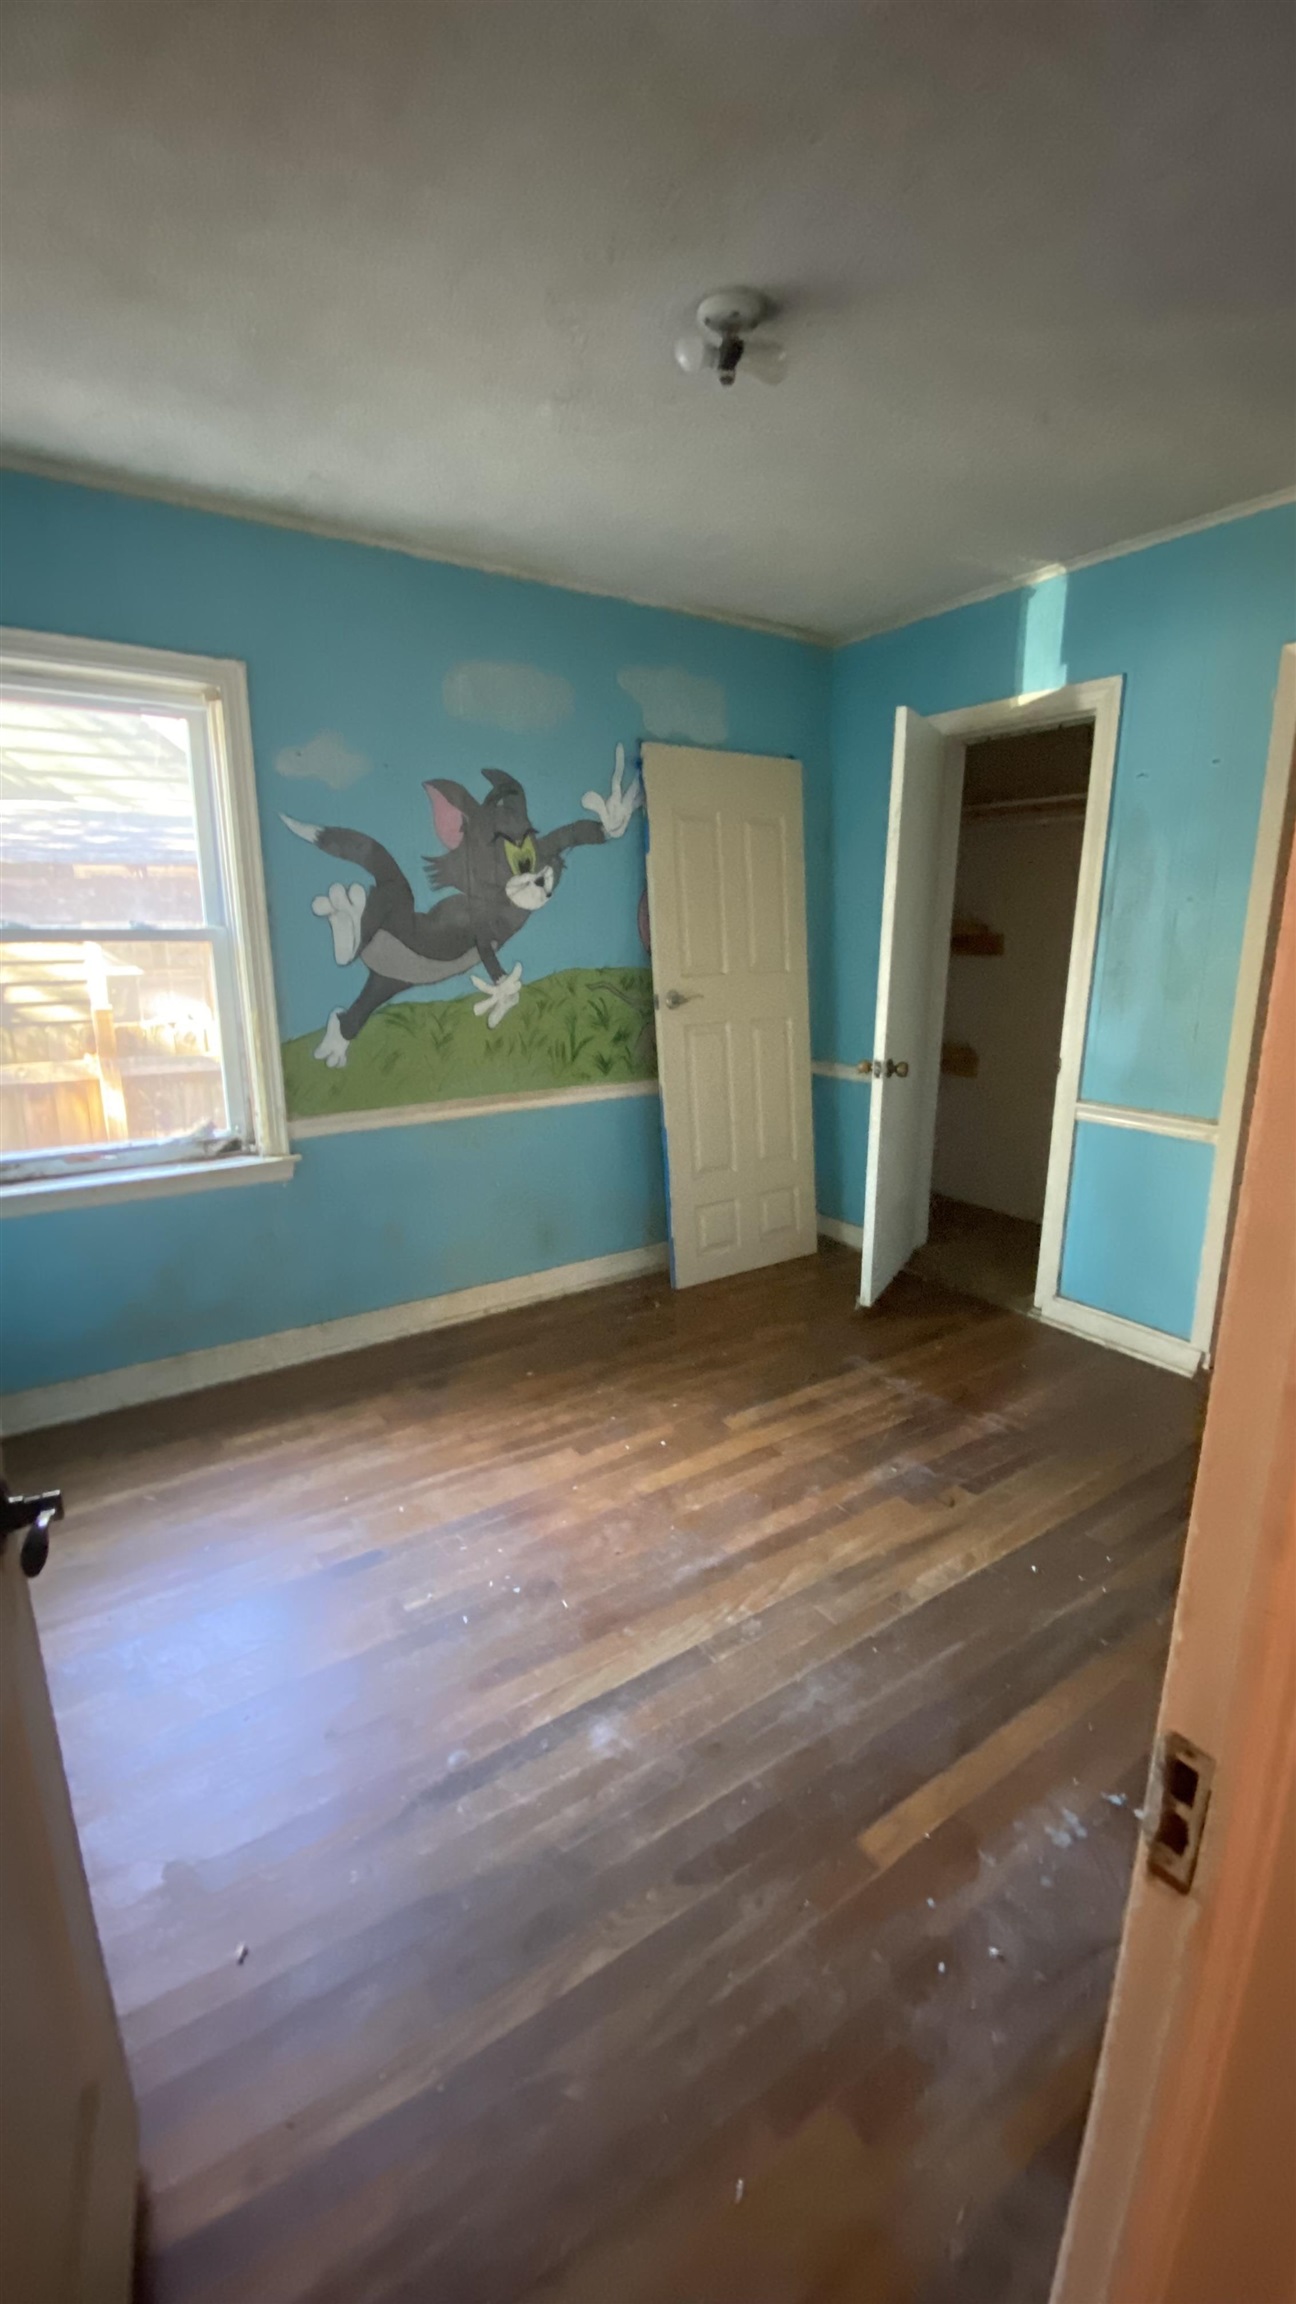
x,y
917,910
766,894
68,2151
727,898
718,1227
711,1099
779,1212
772,1063
701,896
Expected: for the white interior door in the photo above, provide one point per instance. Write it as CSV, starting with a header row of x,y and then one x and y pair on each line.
x,y
726,895
68,2143
917,912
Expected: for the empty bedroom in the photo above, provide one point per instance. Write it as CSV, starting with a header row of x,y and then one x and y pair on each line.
x,y
647,698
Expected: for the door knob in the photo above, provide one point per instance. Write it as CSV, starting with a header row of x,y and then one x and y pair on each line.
x,y
35,1515
677,999
887,1070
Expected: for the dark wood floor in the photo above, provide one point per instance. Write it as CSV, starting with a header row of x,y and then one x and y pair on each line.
x,y
981,1253
669,1760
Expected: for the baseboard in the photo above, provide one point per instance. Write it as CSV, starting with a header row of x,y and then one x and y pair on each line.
x,y
1130,1336
150,1380
833,1228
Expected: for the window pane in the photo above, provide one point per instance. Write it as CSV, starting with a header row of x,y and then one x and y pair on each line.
x,y
96,816
107,1044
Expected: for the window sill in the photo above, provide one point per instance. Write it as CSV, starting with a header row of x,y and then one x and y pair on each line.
x,y
47,1193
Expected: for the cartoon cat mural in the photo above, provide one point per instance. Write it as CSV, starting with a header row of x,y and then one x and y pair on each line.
x,y
501,870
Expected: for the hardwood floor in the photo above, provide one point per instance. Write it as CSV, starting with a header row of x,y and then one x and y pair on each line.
x,y
628,1803
980,1253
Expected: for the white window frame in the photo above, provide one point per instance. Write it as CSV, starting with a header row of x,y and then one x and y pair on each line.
x,y
212,692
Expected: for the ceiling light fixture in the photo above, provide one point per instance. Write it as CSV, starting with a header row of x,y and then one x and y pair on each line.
x,y
723,338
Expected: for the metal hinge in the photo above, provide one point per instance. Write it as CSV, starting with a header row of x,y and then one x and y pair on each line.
x,y
1179,1791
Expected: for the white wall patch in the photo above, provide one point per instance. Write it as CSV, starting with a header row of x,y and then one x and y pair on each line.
x,y
328,759
677,703
511,696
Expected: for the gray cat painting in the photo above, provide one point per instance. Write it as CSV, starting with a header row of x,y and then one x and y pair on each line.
x,y
501,871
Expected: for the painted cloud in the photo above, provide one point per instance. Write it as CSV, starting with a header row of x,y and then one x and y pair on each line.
x,y
511,696
677,703
327,758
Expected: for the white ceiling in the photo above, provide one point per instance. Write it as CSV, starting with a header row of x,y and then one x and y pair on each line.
x,y
415,270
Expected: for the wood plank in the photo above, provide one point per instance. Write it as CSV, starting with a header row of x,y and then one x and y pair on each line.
x,y
618,1733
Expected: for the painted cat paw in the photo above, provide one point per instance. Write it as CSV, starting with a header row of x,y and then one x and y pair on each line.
x,y
343,908
615,812
332,1049
499,997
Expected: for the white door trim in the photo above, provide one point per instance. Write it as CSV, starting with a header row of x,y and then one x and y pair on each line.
x,y
1099,701
1149,1123
1142,1343
1242,1049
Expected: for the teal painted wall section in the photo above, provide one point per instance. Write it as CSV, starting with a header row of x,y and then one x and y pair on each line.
x,y
1196,626
367,1221
358,641
1133,1245
841,1143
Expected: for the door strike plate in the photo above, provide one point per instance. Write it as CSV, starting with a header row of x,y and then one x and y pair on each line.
x,y
1178,1797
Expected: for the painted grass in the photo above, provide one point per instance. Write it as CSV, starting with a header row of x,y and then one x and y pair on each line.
x,y
576,1029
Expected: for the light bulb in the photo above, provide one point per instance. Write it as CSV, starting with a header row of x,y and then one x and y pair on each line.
x,y
768,361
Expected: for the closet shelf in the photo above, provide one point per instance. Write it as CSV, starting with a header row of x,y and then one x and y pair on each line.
x,y
1030,804
972,939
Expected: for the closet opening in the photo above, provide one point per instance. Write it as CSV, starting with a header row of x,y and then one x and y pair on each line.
x,y
1020,835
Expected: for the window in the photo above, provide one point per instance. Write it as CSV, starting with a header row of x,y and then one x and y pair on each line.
x,y
138,1047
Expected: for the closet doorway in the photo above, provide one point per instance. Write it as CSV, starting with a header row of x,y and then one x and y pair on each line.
x,y
922,1048
1020,836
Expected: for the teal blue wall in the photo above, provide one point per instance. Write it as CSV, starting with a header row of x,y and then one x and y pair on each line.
x,y
1196,627
1138,1212
367,1221
357,641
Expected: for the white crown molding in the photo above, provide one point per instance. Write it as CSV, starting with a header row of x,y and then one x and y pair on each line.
x,y
229,507
150,1380
1040,575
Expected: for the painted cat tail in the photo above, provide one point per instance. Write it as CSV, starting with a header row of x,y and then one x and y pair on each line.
x,y
309,832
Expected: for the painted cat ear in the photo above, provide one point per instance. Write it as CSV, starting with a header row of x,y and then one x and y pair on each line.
x,y
500,782
450,805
